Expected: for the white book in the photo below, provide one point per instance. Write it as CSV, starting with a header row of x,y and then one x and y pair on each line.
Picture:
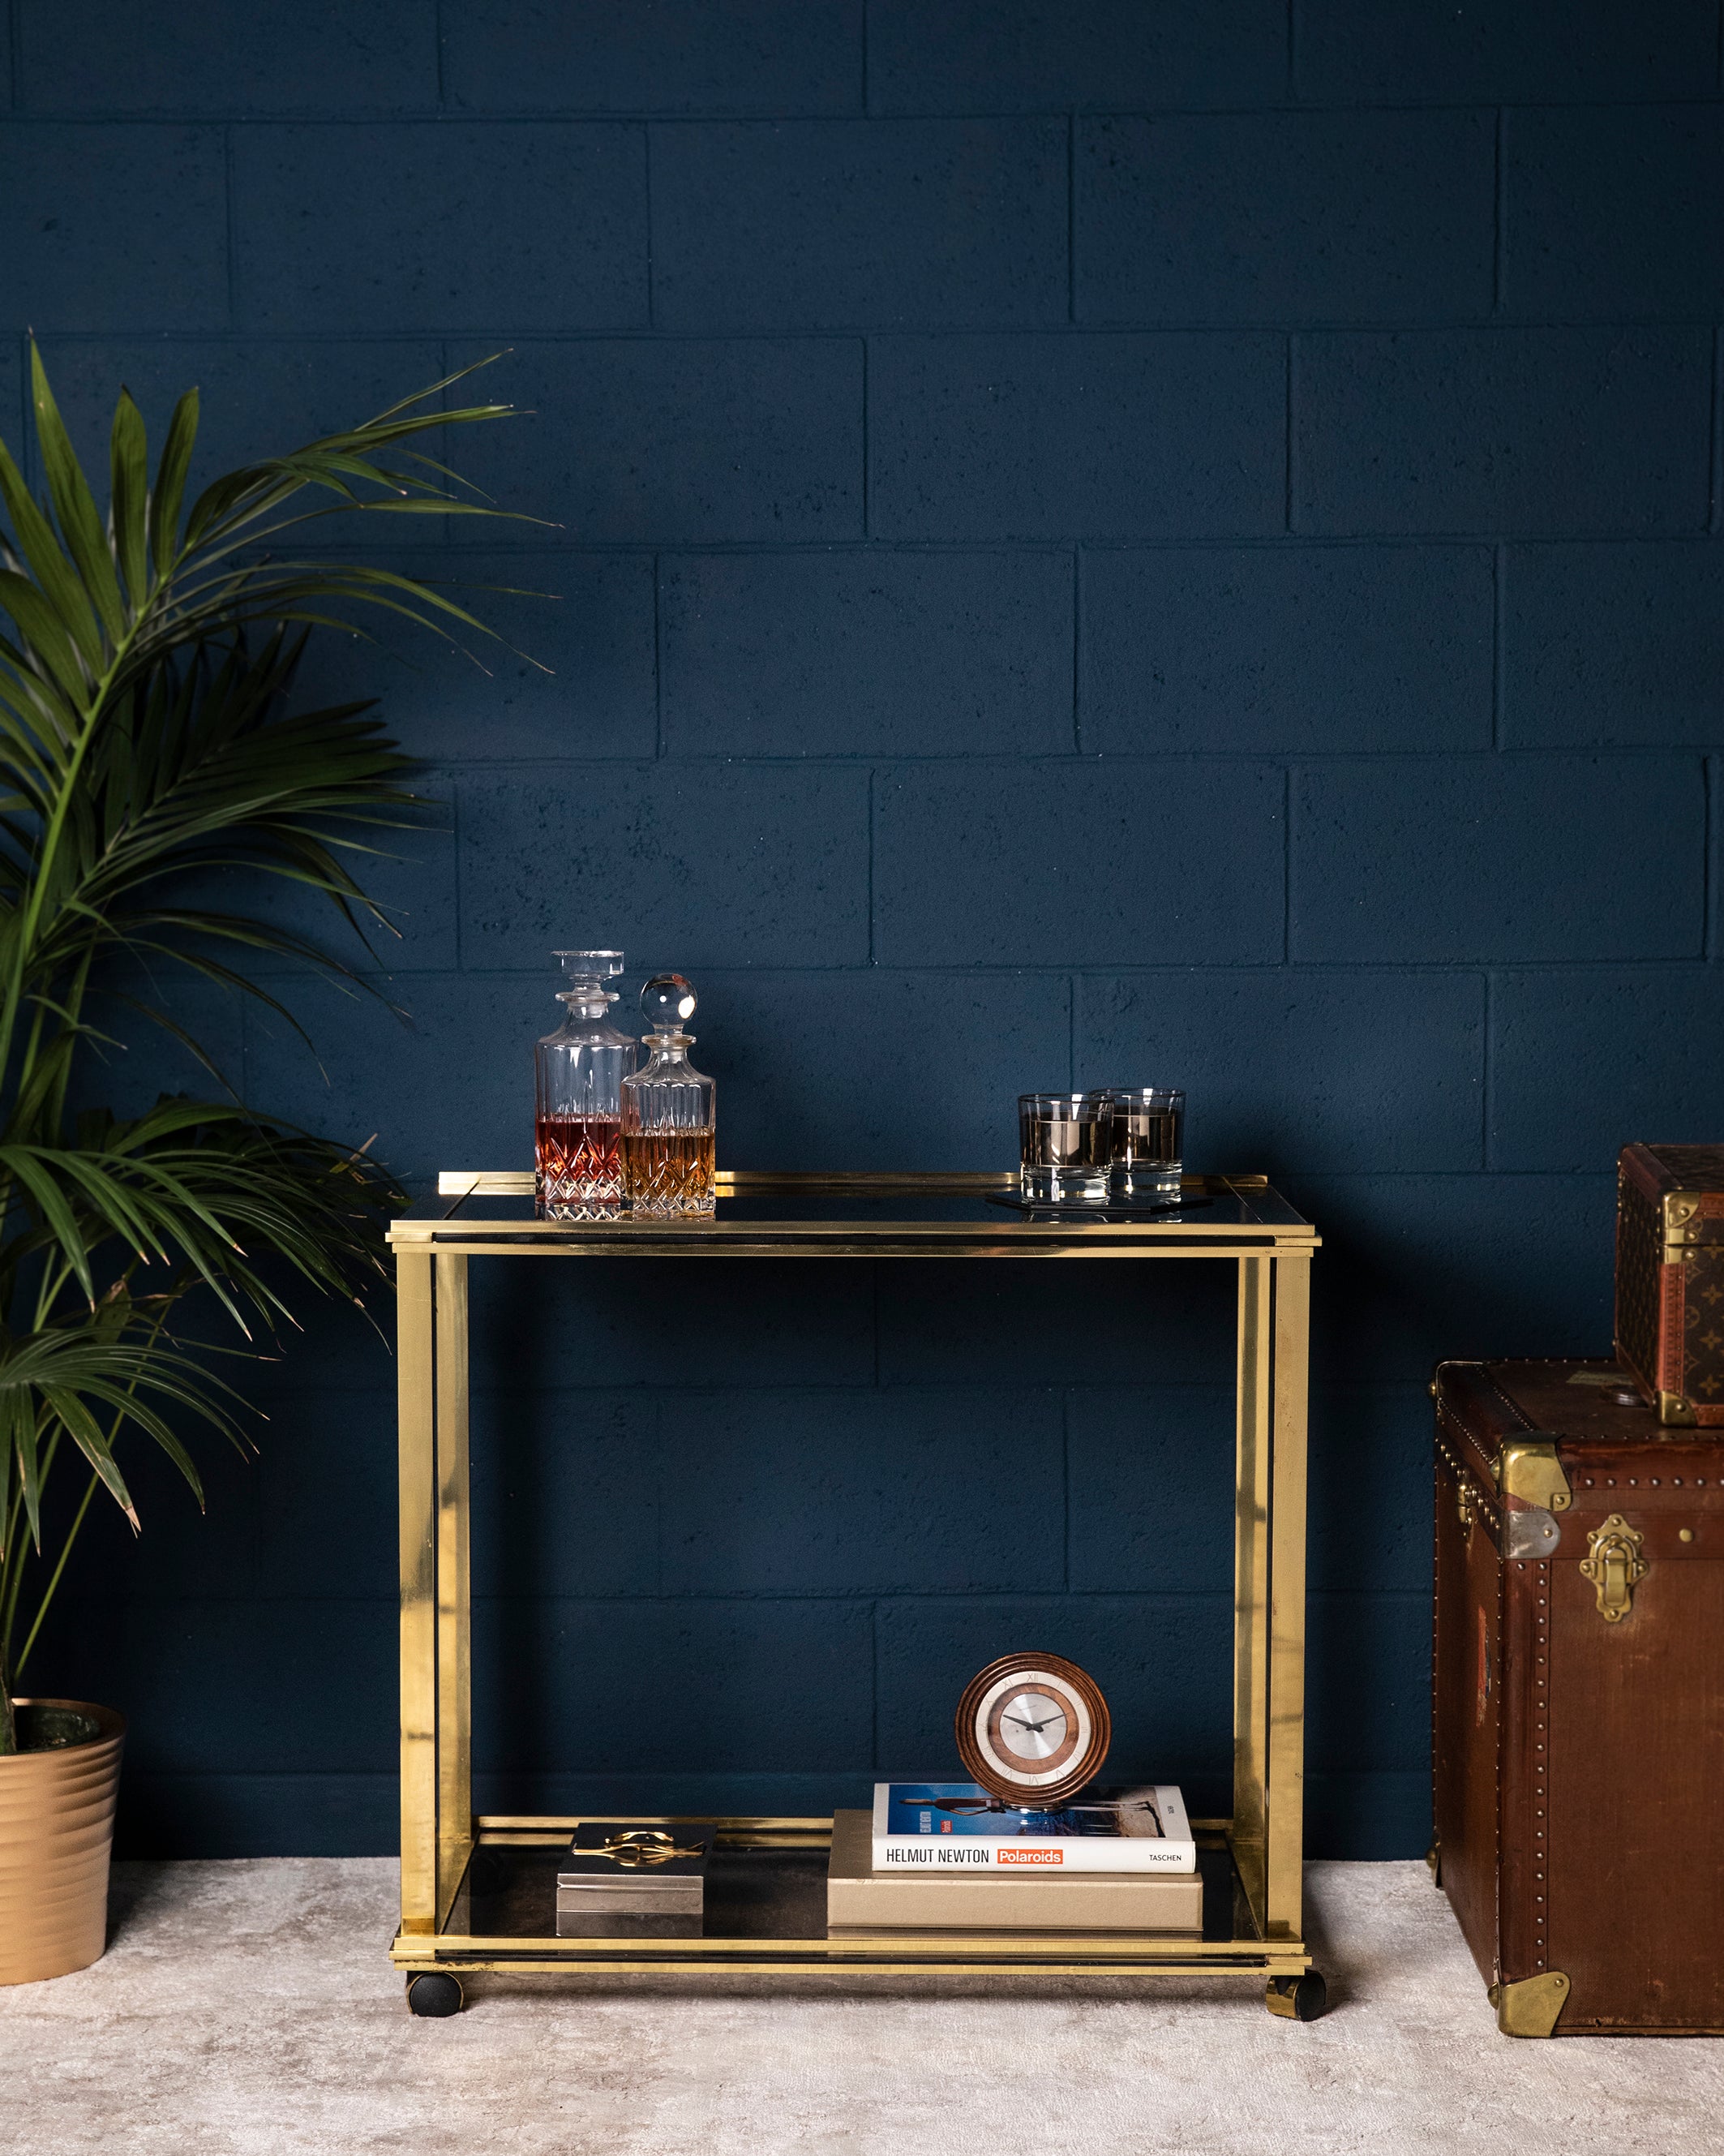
x,y
954,1826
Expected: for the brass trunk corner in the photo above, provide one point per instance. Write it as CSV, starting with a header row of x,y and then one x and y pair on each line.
x,y
1530,1470
1531,2007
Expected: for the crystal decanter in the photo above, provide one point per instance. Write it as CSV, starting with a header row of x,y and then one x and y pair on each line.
x,y
668,1165
578,1072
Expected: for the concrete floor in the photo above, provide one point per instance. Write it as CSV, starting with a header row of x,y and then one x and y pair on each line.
x,y
249,2009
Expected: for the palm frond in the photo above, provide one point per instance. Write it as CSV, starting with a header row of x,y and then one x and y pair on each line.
x,y
154,781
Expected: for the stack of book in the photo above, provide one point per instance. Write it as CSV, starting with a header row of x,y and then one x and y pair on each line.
x,y
944,1857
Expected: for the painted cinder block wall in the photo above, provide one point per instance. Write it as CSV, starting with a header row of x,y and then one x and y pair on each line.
x,y
1097,542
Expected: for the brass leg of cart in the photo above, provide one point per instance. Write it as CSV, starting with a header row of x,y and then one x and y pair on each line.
x,y
436,1674
1251,1515
1269,1647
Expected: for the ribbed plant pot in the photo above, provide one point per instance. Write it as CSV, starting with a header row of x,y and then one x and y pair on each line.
x,y
56,1830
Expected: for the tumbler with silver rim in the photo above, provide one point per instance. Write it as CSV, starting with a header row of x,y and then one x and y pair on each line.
x,y
1148,1142
1066,1146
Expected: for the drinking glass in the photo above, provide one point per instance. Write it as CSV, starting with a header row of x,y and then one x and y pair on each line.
x,y
1066,1145
1147,1141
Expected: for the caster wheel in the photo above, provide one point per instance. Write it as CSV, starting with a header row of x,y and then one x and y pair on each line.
x,y
434,1993
1298,1998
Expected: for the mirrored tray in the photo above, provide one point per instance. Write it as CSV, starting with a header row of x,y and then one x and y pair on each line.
x,y
1112,1209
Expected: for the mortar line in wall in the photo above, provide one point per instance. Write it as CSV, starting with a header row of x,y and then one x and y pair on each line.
x,y
1486,1076
874,1685
866,91
1276,542
1071,1003
960,970
1716,468
1497,565
1720,46
646,162
18,415
658,662
867,503
455,839
1287,442
871,958
14,38
228,221
368,118
1706,937
1071,216
655,1409
1292,52
792,332
1287,865
1077,645
436,32
1498,186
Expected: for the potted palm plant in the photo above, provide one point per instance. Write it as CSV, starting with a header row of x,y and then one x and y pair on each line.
x,y
148,753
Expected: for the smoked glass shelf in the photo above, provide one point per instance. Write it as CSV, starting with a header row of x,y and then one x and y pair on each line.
x,y
478,1892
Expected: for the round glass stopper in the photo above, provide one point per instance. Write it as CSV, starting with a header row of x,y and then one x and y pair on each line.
x,y
667,1002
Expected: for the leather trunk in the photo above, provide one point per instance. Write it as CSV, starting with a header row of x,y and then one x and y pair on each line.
x,y
1670,1279
1577,1698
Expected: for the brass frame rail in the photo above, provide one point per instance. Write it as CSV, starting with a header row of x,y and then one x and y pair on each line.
x,y
1272,1249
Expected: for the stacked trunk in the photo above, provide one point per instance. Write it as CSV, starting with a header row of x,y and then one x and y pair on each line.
x,y
1578,1698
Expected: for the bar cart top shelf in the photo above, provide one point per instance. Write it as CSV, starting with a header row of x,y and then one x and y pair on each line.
x,y
861,1213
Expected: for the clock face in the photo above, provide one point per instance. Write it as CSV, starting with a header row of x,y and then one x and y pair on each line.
x,y
1033,1728
1030,1726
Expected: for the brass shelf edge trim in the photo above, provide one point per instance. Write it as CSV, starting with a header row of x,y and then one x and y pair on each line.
x,y
512,1239
979,1950
852,1966
518,1182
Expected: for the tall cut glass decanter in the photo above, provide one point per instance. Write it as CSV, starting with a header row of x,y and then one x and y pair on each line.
x,y
578,1073
668,1164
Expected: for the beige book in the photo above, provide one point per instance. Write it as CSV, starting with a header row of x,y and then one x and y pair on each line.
x,y
860,1899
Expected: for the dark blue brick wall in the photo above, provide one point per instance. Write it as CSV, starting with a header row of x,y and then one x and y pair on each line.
x,y
1115,539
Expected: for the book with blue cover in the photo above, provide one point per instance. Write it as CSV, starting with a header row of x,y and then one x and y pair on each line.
x,y
957,1827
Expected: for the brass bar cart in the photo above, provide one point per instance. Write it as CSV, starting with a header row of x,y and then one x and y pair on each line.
x,y
476,1891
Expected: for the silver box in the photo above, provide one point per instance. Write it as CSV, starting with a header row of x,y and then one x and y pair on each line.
x,y
604,1891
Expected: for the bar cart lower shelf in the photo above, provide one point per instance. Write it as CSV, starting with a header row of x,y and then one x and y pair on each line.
x,y
765,1911
478,1892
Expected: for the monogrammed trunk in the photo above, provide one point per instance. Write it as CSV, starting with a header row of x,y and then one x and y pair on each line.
x,y
1577,1698
1670,1279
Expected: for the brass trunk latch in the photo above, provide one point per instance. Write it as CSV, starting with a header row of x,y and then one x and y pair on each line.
x,y
1614,1565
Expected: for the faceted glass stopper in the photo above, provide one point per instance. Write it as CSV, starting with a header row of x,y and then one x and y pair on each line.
x,y
590,965
668,1003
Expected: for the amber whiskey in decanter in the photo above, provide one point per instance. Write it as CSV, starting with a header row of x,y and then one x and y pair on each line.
x,y
669,1165
578,1073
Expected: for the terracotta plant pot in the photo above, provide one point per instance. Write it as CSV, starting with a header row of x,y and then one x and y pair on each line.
x,y
56,1830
